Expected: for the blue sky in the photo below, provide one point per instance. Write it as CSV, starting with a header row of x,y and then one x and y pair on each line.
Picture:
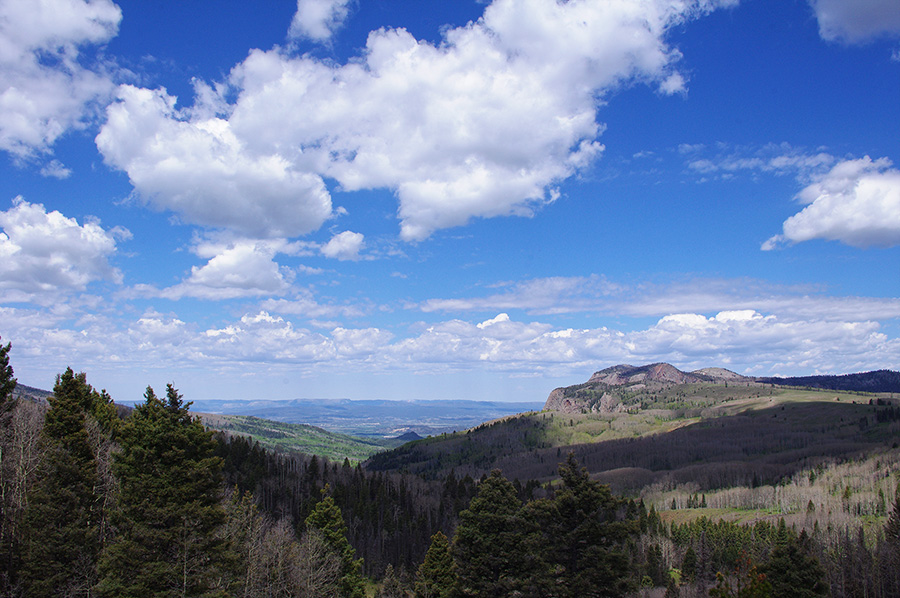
x,y
421,199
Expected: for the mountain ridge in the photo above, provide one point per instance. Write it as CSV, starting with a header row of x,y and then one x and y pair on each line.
x,y
608,390
603,392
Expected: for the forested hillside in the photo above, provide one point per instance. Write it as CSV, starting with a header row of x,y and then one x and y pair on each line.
x,y
710,434
730,462
100,502
878,381
312,440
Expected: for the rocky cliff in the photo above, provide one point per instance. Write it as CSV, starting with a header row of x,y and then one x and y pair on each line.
x,y
605,390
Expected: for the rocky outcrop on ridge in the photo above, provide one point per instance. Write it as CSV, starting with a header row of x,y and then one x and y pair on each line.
x,y
600,393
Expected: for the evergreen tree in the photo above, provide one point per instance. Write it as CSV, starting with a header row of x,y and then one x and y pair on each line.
x,y
169,510
8,540
7,382
64,515
326,517
792,570
656,565
689,564
489,550
436,577
582,536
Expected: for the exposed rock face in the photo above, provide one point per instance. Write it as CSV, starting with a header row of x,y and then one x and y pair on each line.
x,y
593,395
620,375
560,402
721,374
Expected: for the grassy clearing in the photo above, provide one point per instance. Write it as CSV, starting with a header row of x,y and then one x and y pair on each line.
x,y
281,436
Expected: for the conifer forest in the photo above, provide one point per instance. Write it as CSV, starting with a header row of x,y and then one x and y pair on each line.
x,y
99,500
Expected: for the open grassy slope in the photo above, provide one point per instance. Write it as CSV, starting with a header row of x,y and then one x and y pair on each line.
x,y
281,436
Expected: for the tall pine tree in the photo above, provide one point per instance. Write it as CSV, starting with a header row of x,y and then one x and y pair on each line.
x,y
490,555
792,568
327,519
169,509
7,382
8,538
65,514
580,538
436,577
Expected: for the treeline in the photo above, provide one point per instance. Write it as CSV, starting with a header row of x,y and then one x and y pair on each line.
x,y
875,381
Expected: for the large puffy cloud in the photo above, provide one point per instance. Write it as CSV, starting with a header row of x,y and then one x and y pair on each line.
x,y
483,125
44,88
46,252
856,21
262,337
249,268
857,202
201,170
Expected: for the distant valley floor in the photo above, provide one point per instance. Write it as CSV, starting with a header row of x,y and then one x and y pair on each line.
x,y
372,418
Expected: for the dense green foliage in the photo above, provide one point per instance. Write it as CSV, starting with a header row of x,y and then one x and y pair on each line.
x,y
570,545
488,547
436,577
168,508
65,518
582,532
792,569
7,381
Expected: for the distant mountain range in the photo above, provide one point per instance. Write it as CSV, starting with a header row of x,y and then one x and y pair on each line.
x,y
382,418
876,381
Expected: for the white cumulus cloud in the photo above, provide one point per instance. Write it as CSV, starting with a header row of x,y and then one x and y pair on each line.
x,y
317,20
200,170
45,88
484,124
236,269
856,21
344,246
46,252
857,202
